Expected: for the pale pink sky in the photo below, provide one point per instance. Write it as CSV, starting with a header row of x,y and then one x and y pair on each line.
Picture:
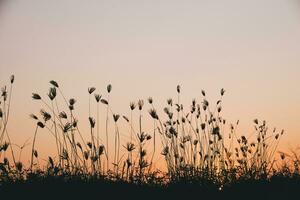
x,y
145,48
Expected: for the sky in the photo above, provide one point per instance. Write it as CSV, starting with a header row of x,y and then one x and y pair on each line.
x,y
145,48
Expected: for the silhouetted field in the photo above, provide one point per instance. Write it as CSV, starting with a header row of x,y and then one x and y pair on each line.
x,y
74,187
205,157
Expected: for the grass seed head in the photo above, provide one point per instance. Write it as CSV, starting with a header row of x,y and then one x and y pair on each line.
x,y
101,150
86,155
109,87
46,115
54,83
52,93
79,145
97,97
91,90
67,127
165,151
116,117
36,96
222,92
140,104
72,101
104,101
129,146
153,113
170,102
63,115
5,161
92,122
35,153
33,116
178,89
75,122
126,118
4,147
12,79
150,100
40,124
132,106
51,162
90,145
203,125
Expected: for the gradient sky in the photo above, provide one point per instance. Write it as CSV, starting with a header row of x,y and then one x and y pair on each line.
x,y
145,48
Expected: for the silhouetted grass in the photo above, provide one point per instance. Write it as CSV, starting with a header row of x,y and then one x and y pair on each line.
x,y
204,155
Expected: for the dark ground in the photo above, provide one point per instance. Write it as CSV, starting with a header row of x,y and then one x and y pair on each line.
x,y
57,188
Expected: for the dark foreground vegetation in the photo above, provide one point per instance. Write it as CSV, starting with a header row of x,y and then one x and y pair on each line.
x,y
205,157
79,187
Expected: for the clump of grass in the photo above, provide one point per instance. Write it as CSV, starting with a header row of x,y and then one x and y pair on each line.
x,y
192,139
196,142
5,104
